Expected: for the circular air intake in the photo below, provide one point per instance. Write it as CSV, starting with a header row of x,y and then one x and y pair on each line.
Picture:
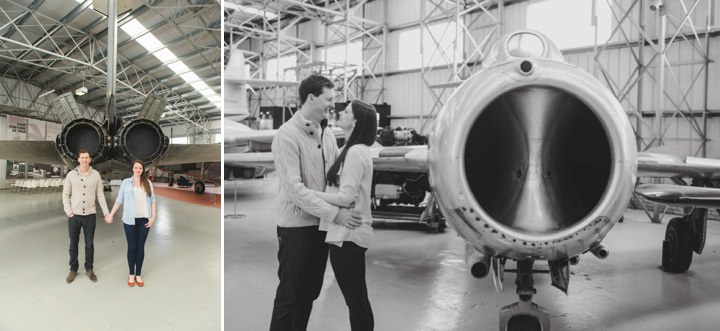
x,y
553,164
83,134
142,140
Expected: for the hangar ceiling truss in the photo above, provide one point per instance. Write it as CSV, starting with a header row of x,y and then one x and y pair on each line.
x,y
63,53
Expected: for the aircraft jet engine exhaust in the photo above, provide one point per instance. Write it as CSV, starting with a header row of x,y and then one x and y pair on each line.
x,y
531,159
143,140
87,134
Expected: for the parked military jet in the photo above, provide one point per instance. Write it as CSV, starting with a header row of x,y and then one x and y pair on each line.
x,y
533,159
112,152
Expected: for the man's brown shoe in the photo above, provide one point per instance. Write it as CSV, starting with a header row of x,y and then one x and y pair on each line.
x,y
71,277
92,276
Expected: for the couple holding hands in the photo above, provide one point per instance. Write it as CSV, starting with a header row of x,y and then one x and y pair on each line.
x,y
82,187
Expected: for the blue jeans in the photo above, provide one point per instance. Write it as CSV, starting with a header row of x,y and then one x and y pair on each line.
x,y
87,224
136,236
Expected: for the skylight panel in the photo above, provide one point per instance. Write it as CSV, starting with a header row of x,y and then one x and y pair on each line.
x,y
207,92
165,55
178,67
150,42
199,85
190,77
134,29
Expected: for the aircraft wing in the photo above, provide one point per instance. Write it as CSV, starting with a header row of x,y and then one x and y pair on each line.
x,y
191,153
237,134
677,195
666,165
30,151
243,138
251,160
250,82
399,158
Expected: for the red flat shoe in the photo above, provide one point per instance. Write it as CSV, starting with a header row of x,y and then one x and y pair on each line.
x,y
131,284
140,283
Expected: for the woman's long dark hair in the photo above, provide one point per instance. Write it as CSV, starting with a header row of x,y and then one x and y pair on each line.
x,y
364,133
143,178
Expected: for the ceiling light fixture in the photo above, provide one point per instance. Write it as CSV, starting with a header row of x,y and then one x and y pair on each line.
x,y
46,93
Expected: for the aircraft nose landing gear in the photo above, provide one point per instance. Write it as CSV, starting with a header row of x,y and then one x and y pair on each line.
x,y
524,315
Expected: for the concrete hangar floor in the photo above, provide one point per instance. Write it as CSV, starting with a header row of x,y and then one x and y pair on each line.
x,y
418,281
182,269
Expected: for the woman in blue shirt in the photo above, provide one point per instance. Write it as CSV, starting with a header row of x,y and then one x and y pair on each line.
x,y
138,197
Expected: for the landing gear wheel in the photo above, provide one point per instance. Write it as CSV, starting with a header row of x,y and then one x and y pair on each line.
x,y
199,187
524,323
437,223
677,247
442,225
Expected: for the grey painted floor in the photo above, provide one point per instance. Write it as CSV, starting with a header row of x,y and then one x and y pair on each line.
x,y
181,271
418,280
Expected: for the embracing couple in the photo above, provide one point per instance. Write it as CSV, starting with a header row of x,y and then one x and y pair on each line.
x,y
324,206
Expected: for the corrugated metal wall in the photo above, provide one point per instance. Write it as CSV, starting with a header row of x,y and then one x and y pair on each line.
x,y
22,94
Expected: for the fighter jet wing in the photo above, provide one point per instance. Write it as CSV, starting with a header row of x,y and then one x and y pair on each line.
x,y
250,160
243,138
191,153
677,195
31,151
666,165
238,135
399,158
250,82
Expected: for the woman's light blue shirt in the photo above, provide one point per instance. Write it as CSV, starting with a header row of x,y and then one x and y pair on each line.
x,y
127,199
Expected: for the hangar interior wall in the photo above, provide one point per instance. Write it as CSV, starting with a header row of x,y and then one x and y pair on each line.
x,y
410,97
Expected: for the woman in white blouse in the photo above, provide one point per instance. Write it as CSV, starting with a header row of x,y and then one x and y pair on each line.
x,y
138,196
349,181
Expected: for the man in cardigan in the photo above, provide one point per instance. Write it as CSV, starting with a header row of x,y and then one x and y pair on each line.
x,y
303,150
83,186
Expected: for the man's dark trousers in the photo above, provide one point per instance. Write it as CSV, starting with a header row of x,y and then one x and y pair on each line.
x,y
303,255
87,223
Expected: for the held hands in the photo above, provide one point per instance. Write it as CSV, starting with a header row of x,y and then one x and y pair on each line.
x,y
150,222
349,218
109,218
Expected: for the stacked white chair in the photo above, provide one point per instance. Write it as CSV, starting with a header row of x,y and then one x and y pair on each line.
x,y
32,186
44,185
17,185
57,184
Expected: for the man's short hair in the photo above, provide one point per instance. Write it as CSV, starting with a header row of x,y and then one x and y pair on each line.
x,y
82,150
313,85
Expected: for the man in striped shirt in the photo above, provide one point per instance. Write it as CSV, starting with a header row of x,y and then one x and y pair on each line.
x,y
303,150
